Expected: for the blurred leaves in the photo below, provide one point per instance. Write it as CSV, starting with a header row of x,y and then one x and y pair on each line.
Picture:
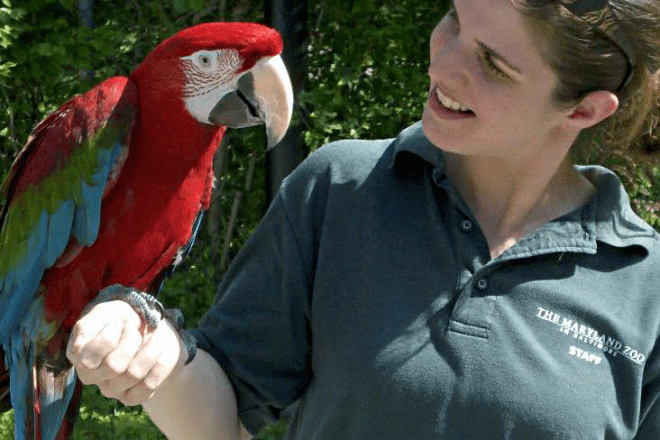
x,y
102,419
640,174
373,82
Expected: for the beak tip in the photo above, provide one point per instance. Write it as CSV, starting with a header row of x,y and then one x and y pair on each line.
x,y
278,114
273,139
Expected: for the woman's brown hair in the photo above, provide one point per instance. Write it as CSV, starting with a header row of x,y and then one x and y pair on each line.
x,y
586,60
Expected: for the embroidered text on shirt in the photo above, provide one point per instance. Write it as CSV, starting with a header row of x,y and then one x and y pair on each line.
x,y
590,336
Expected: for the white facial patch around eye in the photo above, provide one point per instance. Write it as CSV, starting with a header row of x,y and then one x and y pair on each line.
x,y
207,70
210,75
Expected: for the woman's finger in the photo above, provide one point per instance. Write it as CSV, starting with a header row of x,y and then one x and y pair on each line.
x,y
168,347
116,362
138,368
83,342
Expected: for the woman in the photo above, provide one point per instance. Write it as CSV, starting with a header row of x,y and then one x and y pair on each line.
x,y
462,281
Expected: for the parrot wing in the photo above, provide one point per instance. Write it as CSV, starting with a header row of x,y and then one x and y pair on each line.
x,y
54,189
52,204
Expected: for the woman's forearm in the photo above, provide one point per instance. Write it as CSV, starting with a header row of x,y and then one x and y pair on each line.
x,y
198,403
195,401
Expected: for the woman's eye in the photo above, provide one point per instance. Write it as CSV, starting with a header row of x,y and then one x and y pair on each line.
x,y
486,57
492,68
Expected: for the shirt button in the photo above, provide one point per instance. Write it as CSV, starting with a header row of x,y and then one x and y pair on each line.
x,y
466,226
482,284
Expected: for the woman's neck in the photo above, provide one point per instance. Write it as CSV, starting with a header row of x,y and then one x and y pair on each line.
x,y
511,200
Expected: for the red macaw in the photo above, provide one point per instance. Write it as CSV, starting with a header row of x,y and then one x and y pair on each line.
x,y
108,190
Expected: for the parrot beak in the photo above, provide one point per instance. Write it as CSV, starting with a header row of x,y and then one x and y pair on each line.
x,y
264,96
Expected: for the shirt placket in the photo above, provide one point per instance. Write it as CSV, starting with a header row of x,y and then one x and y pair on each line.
x,y
475,292
474,304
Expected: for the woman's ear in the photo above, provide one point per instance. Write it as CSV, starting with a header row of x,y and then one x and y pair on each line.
x,y
594,108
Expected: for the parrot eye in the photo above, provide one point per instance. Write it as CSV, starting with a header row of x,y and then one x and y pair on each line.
x,y
207,69
205,59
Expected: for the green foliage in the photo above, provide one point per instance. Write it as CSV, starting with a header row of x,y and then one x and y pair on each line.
x,y
102,419
640,174
645,194
367,69
7,425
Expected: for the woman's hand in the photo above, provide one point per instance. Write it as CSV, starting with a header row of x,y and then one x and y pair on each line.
x,y
107,349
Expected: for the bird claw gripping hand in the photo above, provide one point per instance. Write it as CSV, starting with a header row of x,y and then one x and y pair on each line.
x,y
151,312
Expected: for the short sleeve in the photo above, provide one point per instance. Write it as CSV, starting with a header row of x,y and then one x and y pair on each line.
x,y
258,328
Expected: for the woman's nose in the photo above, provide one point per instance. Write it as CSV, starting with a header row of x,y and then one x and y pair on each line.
x,y
448,57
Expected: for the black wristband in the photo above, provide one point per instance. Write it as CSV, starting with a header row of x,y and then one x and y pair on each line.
x,y
175,317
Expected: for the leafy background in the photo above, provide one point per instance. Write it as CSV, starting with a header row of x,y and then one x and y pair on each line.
x,y
366,78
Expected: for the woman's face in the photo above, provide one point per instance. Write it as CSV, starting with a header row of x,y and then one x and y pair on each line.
x,y
490,90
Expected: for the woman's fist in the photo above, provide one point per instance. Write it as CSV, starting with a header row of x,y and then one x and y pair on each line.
x,y
107,349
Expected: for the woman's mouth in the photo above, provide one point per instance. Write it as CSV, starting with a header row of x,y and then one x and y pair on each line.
x,y
446,107
450,103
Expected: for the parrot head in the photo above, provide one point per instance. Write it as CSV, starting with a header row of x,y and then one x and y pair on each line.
x,y
221,75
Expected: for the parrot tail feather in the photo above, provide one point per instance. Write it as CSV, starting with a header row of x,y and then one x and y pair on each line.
x,y
66,429
22,383
41,380
41,397
54,391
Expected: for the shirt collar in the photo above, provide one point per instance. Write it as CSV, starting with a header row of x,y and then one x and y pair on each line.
x,y
412,140
607,218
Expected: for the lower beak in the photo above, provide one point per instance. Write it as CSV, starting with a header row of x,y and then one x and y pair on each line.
x,y
264,96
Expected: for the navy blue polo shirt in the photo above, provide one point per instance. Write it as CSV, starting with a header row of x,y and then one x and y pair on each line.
x,y
368,295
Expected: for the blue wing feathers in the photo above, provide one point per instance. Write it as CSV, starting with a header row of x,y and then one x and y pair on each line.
x,y
46,243
88,215
15,304
22,319
21,283
49,239
35,249
59,227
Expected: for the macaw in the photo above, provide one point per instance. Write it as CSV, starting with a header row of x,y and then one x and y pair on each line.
x,y
109,189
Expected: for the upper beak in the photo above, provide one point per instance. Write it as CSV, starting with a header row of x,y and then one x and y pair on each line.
x,y
264,95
